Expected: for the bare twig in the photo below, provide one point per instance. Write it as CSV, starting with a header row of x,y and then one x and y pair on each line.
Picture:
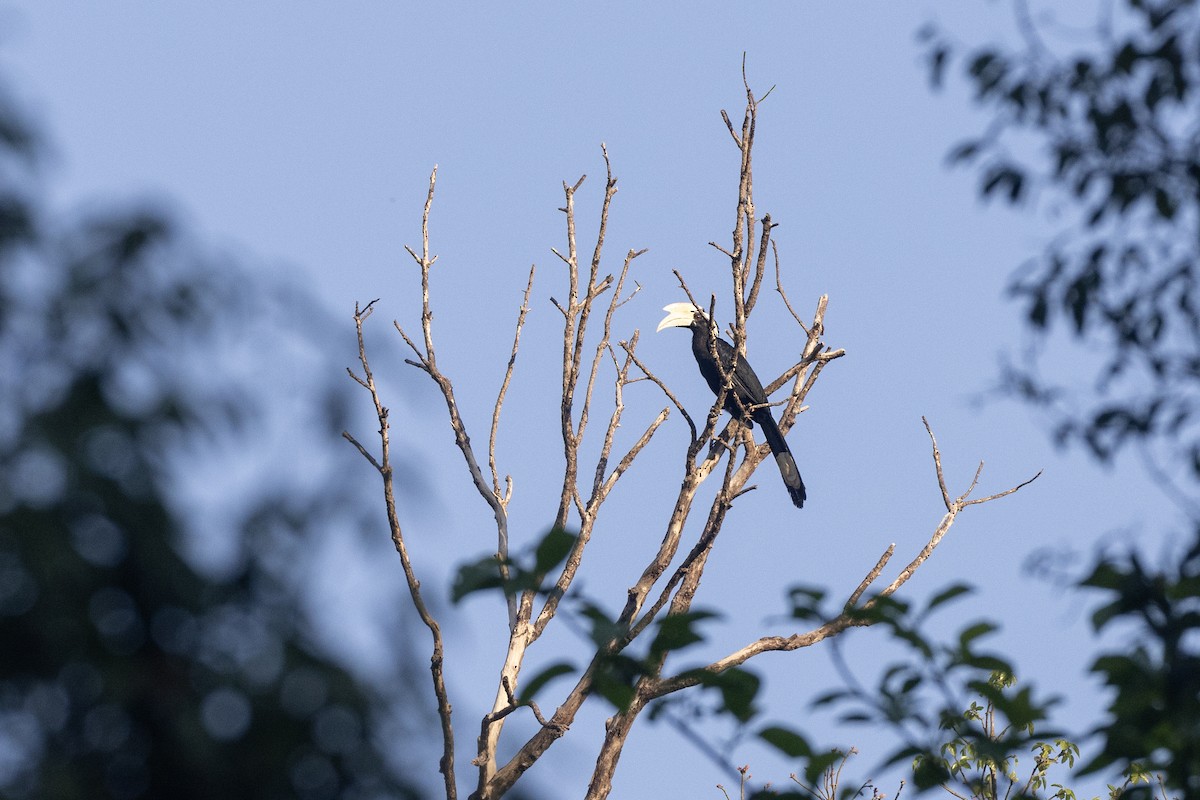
x,y
633,451
1005,493
658,382
588,511
683,285
721,248
508,372
428,362
937,463
384,466
875,572
576,309
760,265
782,293
852,616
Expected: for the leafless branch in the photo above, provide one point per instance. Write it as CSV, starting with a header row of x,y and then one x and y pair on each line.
x,y
722,249
658,382
937,463
508,372
852,616
384,466
783,294
428,362
1005,493
760,265
732,132
362,450
661,590
572,436
875,572
633,451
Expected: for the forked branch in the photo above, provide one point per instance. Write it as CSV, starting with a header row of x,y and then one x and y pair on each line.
x,y
852,615
662,591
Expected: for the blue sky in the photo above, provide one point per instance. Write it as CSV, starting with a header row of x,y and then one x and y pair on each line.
x,y
300,137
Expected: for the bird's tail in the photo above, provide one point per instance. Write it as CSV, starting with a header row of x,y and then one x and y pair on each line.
x,y
783,456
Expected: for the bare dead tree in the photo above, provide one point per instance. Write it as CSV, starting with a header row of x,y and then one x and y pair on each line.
x,y
589,360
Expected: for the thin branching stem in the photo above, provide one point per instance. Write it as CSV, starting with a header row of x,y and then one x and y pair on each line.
x,y
384,466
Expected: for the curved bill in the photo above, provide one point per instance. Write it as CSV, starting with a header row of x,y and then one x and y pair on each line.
x,y
679,315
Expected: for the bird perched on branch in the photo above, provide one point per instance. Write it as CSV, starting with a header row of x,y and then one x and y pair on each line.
x,y
745,399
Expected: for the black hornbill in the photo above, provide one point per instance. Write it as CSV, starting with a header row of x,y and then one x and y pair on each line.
x,y
746,400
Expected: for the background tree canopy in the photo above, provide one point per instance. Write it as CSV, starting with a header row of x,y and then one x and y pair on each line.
x,y
1103,132
126,671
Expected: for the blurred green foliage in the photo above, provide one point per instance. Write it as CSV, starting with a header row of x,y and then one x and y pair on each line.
x,y
126,672
1154,713
1101,132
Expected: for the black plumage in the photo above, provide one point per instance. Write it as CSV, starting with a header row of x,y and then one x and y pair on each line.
x,y
746,399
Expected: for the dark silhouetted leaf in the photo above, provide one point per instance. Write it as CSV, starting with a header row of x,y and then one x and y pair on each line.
x,y
786,741
677,631
552,550
951,592
476,576
530,689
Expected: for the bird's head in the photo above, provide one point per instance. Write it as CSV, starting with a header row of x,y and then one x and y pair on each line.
x,y
681,315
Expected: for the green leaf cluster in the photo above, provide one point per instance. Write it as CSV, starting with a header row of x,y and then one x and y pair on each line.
x,y
512,576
